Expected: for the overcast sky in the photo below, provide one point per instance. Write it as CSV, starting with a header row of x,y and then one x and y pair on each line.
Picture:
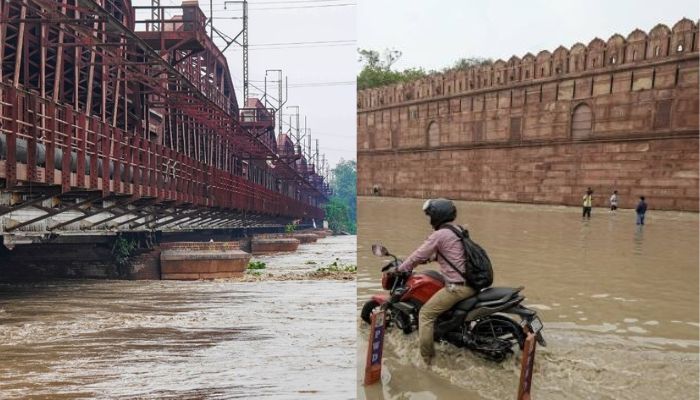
x,y
434,34
330,68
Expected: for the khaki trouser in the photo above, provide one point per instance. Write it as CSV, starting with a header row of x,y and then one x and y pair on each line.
x,y
441,301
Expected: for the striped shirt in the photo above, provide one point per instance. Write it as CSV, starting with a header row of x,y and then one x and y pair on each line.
x,y
449,245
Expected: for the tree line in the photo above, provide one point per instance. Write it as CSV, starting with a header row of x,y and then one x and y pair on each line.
x,y
341,209
376,69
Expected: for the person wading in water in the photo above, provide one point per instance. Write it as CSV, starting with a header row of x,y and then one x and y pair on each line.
x,y
587,203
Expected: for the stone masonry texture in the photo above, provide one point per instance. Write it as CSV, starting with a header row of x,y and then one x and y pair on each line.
x,y
620,114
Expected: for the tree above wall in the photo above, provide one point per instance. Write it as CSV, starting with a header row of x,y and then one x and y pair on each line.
x,y
376,70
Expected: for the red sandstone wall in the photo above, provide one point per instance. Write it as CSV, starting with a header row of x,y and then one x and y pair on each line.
x,y
621,114
666,171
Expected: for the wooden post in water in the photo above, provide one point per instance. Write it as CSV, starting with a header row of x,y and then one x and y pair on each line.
x,y
526,367
373,365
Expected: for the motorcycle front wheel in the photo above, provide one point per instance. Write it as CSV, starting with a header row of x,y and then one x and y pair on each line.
x,y
367,309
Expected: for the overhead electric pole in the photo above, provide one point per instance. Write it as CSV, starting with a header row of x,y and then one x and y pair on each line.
x,y
316,159
243,34
155,15
281,101
296,135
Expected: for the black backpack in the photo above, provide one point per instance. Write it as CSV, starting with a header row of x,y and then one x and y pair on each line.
x,y
479,273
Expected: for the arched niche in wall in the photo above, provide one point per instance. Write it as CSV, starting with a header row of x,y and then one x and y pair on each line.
x,y
636,46
615,50
500,69
595,53
658,41
528,66
581,121
577,58
514,70
433,133
682,36
542,64
560,60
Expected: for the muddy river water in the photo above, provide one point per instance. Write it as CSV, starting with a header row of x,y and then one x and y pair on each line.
x,y
619,302
182,340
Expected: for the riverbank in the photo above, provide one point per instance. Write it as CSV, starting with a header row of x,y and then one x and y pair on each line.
x,y
318,275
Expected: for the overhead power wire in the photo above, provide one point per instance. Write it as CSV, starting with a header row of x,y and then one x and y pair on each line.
x,y
309,42
288,8
297,1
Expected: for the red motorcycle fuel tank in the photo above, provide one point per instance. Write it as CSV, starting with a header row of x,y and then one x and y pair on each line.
x,y
422,287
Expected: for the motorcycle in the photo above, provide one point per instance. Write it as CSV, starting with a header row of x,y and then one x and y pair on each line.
x,y
480,323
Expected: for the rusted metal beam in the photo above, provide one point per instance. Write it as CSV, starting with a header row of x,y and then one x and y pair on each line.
x,y
56,212
90,214
124,212
27,203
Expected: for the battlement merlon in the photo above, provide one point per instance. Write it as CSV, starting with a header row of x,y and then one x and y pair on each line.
x,y
662,43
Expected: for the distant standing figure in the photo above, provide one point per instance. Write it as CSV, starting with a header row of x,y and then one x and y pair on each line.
x,y
641,210
587,203
376,190
613,201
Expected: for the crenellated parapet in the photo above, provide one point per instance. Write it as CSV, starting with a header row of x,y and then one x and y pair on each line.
x,y
620,114
638,48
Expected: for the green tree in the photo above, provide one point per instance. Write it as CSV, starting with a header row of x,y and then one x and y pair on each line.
x,y
468,62
341,210
376,70
338,216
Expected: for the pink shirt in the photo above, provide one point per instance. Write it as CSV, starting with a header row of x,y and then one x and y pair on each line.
x,y
449,245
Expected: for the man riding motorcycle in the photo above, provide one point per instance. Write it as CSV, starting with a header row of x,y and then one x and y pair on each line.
x,y
441,244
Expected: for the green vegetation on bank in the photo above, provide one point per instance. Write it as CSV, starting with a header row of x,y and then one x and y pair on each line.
x,y
341,209
376,70
256,265
122,250
335,266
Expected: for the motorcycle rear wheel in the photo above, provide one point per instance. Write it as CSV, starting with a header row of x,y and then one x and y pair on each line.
x,y
496,335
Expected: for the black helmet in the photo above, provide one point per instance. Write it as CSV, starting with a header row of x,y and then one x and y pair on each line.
x,y
440,211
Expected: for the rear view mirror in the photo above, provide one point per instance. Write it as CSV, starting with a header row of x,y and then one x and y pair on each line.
x,y
379,250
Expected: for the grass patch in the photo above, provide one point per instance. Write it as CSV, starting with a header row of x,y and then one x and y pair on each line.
x,y
336,266
256,265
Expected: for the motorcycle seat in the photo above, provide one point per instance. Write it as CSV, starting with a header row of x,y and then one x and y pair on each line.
x,y
466,304
496,293
489,294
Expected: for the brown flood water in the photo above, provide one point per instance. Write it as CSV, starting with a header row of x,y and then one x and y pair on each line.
x,y
619,303
182,340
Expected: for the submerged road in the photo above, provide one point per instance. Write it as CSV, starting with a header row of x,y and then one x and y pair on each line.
x,y
619,302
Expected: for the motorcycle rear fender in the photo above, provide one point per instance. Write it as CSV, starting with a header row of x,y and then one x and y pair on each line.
x,y
479,311
522,311
380,298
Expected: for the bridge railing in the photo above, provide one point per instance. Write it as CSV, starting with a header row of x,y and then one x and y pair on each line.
x,y
47,143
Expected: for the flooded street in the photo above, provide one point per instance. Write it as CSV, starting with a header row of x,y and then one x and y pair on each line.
x,y
619,303
181,340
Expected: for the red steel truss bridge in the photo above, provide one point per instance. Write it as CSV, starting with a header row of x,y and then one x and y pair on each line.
x,y
111,123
